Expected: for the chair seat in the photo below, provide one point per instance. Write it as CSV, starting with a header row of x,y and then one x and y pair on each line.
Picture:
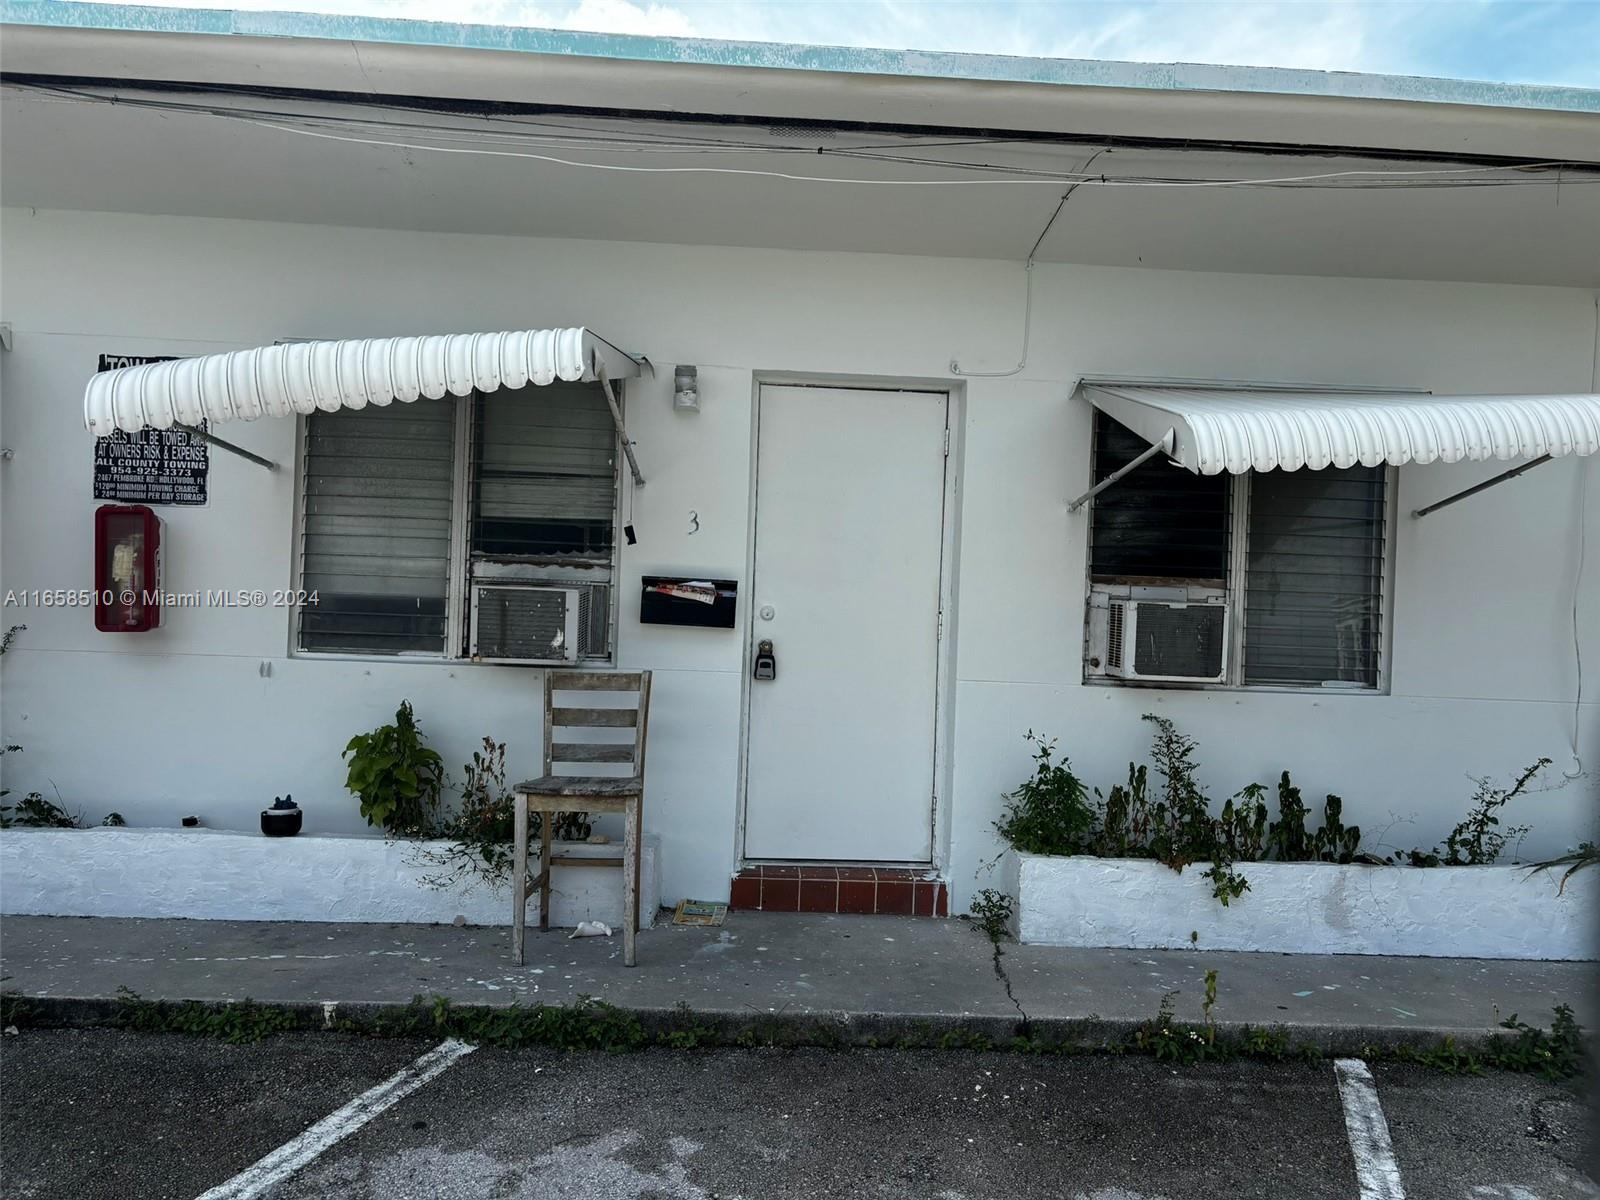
x,y
581,785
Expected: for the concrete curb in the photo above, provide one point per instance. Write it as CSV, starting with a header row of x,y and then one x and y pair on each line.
x,y
829,1030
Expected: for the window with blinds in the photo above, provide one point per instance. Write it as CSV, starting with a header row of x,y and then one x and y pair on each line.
x,y
377,511
1157,522
528,502
1314,577
1312,548
544,482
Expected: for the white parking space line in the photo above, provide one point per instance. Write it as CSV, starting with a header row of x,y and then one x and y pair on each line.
x,y
336,1126
1376,1169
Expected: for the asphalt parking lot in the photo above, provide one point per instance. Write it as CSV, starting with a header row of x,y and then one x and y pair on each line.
x,y
97,1113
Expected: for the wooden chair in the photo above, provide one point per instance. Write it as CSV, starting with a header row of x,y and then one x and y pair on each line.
x,y
552,794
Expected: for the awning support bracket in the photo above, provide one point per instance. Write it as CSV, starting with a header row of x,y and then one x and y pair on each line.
x,y
622,430
1480,487
1164,446
212,440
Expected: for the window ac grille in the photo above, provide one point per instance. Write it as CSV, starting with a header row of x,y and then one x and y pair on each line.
x,y
594,620
523,623
1115,626
1179,641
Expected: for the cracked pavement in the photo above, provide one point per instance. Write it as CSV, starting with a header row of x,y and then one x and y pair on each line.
x,y
91,1114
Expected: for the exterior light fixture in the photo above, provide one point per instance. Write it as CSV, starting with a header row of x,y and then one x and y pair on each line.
x,y
686,389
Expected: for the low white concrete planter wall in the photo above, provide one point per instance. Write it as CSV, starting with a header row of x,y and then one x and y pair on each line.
x,y
224,876
1307,908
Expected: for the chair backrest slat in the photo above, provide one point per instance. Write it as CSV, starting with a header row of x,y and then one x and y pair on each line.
x,y
595,718
592,752
561,718
598,681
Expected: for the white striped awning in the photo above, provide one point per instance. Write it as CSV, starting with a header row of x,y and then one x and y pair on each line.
x,y
1215,429
303,377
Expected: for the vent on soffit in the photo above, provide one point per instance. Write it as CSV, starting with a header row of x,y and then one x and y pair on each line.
x,y
803,133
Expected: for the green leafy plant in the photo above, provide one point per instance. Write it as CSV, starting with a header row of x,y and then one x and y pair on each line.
x,y
235,1022
480,831
1552,1055
1478,840
1586,855
992,910
1125,816
1244,823
1051,812
35,811
1335,841
1288,839
396,777
1182,828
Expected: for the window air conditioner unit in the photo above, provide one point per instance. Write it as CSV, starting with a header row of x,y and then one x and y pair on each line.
x,y
1173,641
514,623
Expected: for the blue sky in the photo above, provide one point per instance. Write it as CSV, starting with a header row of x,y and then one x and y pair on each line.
x,y
1513,41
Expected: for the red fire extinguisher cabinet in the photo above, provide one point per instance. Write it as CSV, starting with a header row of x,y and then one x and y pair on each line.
x,y
127,568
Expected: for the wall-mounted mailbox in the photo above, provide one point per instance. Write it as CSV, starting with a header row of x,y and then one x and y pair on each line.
x,y
686,600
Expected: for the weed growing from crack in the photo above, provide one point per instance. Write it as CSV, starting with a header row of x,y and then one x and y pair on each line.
x,y
236,1022
992,910
1555,1054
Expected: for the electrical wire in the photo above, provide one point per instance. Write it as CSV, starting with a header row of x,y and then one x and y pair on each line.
x,y
1027,306
492,142
1087,181
1577,576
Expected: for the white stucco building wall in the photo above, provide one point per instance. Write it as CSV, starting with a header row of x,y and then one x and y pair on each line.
x,y
212,715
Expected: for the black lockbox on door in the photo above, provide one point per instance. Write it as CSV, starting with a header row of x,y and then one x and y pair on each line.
x,y
687,600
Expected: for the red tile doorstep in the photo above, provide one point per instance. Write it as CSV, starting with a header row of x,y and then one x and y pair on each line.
x,y
780,895
819,895
895,897
858,896
821,888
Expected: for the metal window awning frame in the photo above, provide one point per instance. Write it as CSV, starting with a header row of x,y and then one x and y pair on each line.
x,y
1213,428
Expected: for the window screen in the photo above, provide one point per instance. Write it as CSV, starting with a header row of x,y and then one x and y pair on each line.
x,y
544,474
1159,521
1314,577
376,546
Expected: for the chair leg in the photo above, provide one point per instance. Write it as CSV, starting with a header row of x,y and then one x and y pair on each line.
x,y
519,881
546,832
638,859
630,884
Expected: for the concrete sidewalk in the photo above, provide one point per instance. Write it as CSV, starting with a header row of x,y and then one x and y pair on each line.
x,y
862,976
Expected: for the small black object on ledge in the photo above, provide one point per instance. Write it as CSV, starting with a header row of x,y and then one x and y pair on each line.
x,y
282,819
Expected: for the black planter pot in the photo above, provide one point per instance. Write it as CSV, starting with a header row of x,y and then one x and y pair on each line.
x,y
281,820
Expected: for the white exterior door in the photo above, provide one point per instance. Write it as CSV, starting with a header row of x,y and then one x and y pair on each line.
x,y
850,488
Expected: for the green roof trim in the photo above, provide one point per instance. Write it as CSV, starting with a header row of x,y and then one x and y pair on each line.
x,y
995,68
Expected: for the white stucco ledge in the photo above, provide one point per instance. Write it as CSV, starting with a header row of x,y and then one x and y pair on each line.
x,y
216,875
1307,908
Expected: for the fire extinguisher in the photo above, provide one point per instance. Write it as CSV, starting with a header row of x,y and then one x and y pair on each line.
x,y
127,568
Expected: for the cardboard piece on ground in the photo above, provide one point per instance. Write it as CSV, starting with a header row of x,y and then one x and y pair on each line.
x,y
699,912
